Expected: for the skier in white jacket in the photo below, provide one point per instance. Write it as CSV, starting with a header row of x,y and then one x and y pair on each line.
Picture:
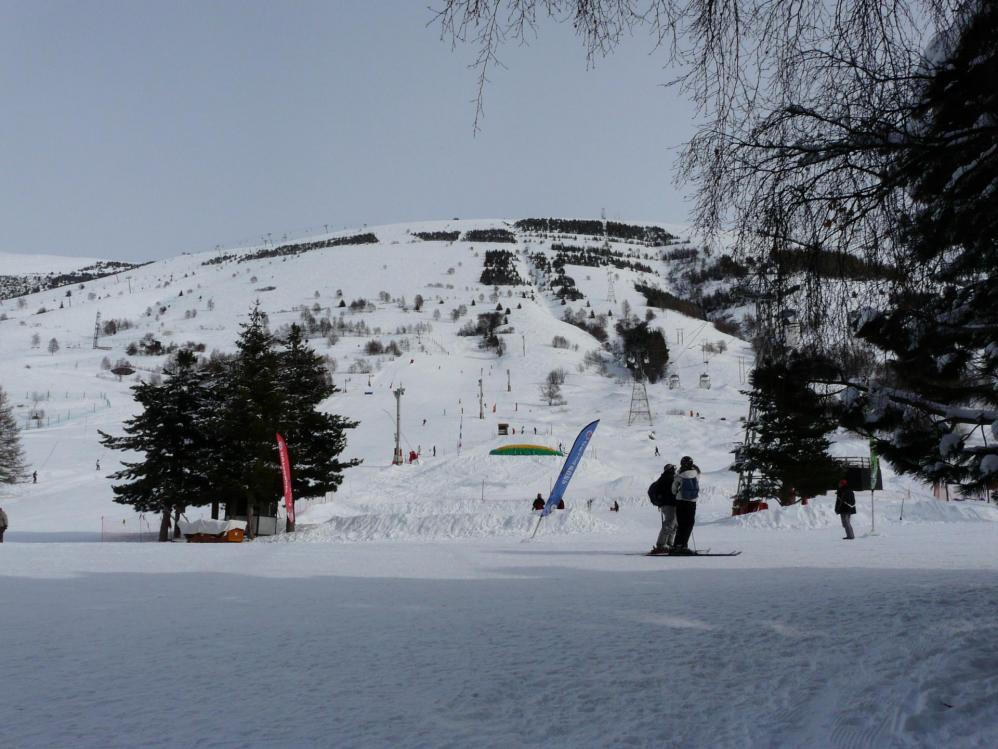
x,y
686,488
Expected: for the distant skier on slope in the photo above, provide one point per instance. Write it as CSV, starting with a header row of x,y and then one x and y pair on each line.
x,y
686,488
538,502
662,496
845,507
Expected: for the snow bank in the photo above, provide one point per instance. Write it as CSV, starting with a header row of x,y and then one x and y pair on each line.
x,y
415,522
821,514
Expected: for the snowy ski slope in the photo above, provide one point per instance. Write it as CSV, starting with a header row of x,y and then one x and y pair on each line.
x,y
408,611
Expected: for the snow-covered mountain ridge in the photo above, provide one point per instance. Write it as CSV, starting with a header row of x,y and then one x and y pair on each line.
x,y
26,274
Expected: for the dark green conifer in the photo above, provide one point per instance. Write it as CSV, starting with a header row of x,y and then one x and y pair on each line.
x,y
789,458
248,403
12,465
169,433
315,438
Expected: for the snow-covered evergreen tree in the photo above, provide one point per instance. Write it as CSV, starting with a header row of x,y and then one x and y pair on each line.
x,y
169,434
12,464
315,439
789,458
247,404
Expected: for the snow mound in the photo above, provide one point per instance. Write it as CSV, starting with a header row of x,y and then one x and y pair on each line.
x,y
930,511
796,517
821,514
410,523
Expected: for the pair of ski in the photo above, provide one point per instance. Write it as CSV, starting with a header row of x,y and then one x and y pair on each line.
x,y
701,553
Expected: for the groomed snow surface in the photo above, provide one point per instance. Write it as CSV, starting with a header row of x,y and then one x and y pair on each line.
x,y
409,610
804,640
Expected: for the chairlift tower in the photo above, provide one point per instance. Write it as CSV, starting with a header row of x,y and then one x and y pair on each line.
x,y
97,329
640,408
780,333
746,478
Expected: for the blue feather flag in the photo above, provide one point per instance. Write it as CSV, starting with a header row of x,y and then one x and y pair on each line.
x,y
571,463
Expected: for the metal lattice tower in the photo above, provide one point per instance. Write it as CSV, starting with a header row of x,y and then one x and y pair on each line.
x,y
639,403
746,477
97,329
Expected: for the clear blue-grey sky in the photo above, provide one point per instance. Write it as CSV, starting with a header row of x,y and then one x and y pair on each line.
x,y
138,130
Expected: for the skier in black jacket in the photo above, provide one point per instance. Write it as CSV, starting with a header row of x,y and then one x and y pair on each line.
x,y
845,507
662,489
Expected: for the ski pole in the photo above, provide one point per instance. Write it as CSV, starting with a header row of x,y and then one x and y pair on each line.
x,y
536,527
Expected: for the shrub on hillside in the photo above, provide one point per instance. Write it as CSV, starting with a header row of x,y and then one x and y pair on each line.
x,y
595,326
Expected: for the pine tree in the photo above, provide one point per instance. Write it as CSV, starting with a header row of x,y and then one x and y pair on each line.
x,y
315,439
169,432
12,465
645,346
790,455
248,404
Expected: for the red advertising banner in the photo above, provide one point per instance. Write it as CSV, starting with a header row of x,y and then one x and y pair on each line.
x,y
289,501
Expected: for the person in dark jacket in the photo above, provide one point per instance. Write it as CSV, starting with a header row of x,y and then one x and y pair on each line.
x,y
663,490
3,523
686,488
538,502
845,507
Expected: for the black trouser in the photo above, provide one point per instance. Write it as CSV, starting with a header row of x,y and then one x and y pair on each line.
x,y
686,515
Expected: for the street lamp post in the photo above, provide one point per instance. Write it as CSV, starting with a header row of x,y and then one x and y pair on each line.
x,y
397,456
